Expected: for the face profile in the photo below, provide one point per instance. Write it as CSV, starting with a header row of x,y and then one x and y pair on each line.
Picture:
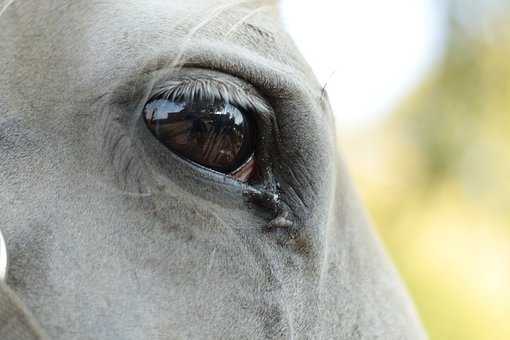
x,y
169,169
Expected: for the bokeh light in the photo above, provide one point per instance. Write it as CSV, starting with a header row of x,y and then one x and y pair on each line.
x,y
370,53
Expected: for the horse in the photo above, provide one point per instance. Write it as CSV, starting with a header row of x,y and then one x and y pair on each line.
x,y
170,170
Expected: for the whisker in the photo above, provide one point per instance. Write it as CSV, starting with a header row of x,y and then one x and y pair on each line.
x,y
6,5
323,90
245,18
215,13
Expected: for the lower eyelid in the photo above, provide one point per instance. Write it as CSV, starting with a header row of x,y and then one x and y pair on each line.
x,y
246,171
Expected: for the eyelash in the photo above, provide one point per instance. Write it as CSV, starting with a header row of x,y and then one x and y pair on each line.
x,y
190,88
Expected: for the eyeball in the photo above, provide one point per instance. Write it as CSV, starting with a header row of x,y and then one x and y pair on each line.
x,y
214,134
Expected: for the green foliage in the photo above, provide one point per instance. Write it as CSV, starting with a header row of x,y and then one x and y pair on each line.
x,y
440,195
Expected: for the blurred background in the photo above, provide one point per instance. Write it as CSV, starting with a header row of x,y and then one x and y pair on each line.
x,y
421,93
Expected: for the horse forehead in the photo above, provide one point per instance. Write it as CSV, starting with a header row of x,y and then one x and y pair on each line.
x,y
249,24
94,29
255,18
202,17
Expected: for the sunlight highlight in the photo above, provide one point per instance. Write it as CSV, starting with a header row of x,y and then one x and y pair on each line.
x,y
371,53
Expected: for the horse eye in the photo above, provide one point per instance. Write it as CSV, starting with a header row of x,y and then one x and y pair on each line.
x,y
214,134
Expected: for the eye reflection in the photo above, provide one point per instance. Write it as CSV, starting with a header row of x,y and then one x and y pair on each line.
x,y
214,134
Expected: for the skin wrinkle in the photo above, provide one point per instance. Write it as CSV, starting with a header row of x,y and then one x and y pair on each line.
x,y
112,136
201,55
206,266
117,156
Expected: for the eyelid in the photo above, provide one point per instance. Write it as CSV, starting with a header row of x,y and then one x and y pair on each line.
x,y
210,87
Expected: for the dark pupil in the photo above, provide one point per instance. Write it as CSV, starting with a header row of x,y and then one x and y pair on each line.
x,y
214,134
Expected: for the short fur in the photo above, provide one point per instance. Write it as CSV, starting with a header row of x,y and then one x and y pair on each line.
x,y
186,255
